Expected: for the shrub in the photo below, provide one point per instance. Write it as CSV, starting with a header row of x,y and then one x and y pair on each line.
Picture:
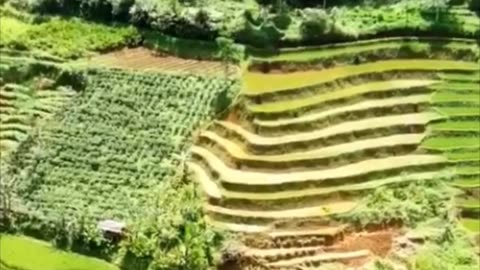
x,y
73,38
474,5
315,24
408,204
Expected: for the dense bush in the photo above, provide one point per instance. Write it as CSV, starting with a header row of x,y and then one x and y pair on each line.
x,y
278,25
475,5
455,253
408,204
173,234
315,24
69,38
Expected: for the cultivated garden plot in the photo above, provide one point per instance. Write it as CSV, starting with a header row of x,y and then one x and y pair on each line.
x,y
114,143
145,59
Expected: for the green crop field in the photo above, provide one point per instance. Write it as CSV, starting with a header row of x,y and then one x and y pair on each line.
x,y
215,135
114,136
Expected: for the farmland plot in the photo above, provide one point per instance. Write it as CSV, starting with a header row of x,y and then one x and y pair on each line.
x,y
304,148
114,143
145,59
458,138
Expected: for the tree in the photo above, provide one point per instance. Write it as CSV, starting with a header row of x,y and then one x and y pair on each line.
x,y
226,49
474,6
280,6
438,5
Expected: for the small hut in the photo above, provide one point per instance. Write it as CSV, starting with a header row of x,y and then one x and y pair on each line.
x,y
112,229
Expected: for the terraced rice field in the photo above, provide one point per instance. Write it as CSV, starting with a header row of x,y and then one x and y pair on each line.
x,y
148,60
457,137
324,52
21,107
308,145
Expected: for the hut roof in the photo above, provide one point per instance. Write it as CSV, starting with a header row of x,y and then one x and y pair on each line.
x,y
111,226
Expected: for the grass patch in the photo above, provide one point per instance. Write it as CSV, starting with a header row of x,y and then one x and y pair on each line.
x,y
411,203
445,143
467,183
260,83
463,155
459,77
10,29
442,97
459,111
471,224
25,253
457,126
66,38
454,254
467,87
468,170
472,203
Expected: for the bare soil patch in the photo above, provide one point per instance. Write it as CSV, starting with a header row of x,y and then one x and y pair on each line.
x,y
145,59
379,243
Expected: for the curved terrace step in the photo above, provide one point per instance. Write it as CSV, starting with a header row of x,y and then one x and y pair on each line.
x,y
472,77
234,176
457,87
236,227
335,151
324,210
343,128
295,194
359,110
280,195
208,186
338,95
306,54
259,83
321,258
275,254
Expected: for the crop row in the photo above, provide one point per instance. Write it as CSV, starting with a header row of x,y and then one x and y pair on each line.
x,y
115,142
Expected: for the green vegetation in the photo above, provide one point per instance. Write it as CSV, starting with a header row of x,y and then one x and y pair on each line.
x,y
338,95
66,38
89,151
113,151
23,253
266,24
172,234
457,253
11,29
350,50
456,125
409,203
467,183
347,133
446,143
457,99
471,224
447,97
